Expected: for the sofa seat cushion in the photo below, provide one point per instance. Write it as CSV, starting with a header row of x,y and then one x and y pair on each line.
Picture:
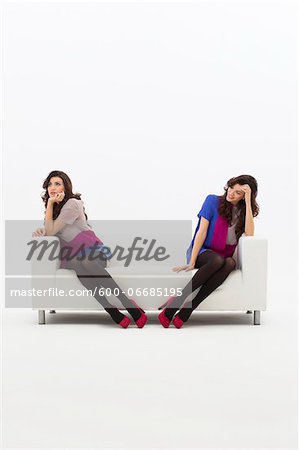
x,y
144,288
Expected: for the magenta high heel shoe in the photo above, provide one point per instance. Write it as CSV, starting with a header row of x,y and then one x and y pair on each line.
x,y
125,322
142,319
178,322
163,319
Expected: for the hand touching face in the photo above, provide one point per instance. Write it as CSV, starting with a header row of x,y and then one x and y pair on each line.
x,y
247,191
238,192
56,190
57,198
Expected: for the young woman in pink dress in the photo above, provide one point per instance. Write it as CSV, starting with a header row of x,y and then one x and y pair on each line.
x,y
65,217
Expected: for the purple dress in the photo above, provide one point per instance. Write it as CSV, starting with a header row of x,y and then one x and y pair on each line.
x,y
77,236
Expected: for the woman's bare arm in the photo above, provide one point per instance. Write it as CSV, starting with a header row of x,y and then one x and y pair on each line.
x,y
198,241
249,223
52,227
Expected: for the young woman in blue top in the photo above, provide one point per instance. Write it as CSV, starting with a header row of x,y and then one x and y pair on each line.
x,y
222,221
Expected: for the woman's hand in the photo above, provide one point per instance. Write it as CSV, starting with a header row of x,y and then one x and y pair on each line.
x,y
39,232
186,268
247,189
57,198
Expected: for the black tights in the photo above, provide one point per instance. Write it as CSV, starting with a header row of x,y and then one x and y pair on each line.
x,y
93,275
213,269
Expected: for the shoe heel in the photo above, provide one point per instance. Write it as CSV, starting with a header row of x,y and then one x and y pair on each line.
x,y
164,321
141,321
125,322
178,322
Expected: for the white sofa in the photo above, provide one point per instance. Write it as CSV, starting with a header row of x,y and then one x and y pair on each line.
x,y
244,290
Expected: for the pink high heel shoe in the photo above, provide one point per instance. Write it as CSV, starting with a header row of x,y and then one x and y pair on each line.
x,y
142,319
164,321
178,322
125,322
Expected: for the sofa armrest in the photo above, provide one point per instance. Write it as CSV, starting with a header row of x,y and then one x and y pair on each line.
x,y
252,256
45,255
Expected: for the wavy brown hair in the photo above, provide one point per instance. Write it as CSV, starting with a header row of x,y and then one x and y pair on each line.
x,y
68,190
225,208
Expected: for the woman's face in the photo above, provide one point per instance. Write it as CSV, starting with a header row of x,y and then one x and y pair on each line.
x,y
55,186
235,194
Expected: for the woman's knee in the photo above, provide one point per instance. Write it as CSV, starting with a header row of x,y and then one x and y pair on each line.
x,y
230,263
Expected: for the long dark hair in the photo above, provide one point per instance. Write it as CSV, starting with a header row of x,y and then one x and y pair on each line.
x,y
68,190
225,207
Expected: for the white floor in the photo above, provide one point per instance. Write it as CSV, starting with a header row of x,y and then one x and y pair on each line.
x,y
82,382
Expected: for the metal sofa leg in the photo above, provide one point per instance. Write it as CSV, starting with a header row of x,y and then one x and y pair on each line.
x,y
41,317
257,318
52,311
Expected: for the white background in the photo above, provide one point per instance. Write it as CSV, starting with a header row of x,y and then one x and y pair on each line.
x,y
151,106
